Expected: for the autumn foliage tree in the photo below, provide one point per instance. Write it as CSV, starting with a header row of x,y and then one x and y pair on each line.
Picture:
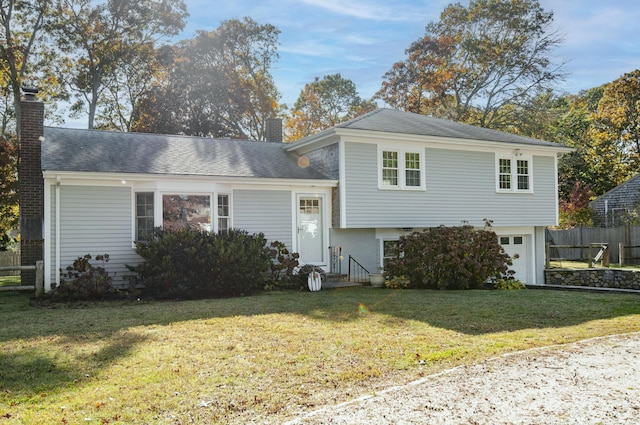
x,y
322,104
218,84
576,211
26,58
602,125
101,39
614,151
476,62
9,218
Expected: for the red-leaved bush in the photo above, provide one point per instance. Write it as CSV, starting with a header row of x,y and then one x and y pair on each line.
x,y
450,258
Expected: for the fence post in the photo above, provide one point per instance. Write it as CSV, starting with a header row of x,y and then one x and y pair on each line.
x,y
547,253
39,278
620,253
605,257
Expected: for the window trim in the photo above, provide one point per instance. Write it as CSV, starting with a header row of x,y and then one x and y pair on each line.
x,y
402,168
514,175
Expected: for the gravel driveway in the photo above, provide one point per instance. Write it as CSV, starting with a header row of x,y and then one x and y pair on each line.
x,y
596,381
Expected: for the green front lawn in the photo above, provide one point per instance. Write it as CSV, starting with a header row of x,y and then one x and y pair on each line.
x,y
268,357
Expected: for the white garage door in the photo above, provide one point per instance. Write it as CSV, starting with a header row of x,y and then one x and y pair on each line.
x,y
517,244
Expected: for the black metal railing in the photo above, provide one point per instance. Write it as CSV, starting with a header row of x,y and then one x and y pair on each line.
x,y
357,273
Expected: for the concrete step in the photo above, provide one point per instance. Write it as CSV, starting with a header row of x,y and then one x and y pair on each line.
x,y
335,280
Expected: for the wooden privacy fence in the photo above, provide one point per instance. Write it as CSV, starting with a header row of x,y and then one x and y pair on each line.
x,y
10,258
626,236
38,287
596,252
626,254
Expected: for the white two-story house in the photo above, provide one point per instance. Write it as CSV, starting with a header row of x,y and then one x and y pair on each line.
x,y
356,188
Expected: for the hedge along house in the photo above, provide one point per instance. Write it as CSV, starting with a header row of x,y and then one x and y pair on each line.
x,y
358,186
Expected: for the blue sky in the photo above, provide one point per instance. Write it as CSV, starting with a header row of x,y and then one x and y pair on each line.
x,y
361,39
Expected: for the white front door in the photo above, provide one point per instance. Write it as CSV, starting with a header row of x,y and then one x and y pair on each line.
x,y
310,229
516,246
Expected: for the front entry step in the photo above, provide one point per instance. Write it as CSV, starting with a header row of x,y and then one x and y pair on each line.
x,y
334,281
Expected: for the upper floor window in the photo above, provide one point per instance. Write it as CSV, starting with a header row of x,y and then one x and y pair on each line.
x,y
389,168
400,169
513,173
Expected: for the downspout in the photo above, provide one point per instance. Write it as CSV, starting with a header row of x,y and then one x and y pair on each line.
x,y
57,270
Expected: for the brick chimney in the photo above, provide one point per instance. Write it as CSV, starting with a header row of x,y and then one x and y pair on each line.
x,y
274,130
31,183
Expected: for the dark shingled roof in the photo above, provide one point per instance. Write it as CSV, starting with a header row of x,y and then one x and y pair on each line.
x,y
141,153
394,121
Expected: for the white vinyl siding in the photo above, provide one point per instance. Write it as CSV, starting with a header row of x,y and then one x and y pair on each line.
x,y
266,211
460,187
94,220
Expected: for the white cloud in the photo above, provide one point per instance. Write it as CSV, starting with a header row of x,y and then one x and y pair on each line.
x,y
402,11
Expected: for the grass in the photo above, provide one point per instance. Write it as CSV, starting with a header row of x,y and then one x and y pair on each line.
x,y
269,357
9,280
574,264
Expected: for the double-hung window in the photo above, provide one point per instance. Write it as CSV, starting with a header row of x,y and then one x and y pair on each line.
x,y
400,169
513,173
390,168
389,251
144,215
224,217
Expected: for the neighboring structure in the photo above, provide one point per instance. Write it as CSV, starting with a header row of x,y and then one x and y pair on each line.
x,y
359,185
611,208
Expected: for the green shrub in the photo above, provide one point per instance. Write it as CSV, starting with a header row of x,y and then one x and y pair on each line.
x,y
84,282
189,263
508,284
398,282
450,258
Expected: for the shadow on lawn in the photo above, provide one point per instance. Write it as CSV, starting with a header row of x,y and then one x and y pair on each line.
x,y
472,312
35,373
109,328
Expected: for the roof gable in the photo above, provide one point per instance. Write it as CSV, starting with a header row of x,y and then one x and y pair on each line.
x,y
626,194
142,153
400,122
